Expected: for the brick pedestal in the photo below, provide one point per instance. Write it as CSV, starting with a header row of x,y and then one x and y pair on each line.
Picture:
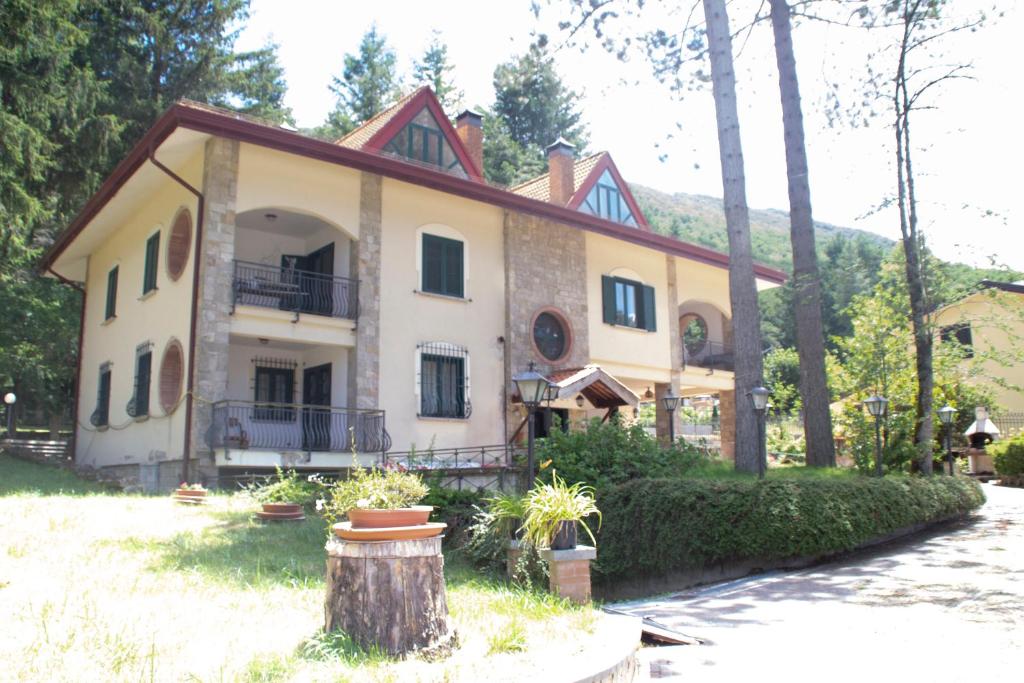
x,y
569,572
512,555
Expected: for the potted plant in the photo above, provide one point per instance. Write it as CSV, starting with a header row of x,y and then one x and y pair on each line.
x,y
284,496
377,499
554,510
189,493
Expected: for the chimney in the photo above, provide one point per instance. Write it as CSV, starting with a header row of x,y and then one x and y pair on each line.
x,y
470,129
561,156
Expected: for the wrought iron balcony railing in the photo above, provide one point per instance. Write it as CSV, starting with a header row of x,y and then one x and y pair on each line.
x,y
711,355
245,425
297,291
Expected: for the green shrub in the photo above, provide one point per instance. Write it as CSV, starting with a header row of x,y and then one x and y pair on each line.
x,y
373,489
655,526
1009,456
606,453
286,487
454,507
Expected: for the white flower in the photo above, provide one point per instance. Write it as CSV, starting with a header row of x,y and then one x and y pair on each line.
x,y
320,502
362,503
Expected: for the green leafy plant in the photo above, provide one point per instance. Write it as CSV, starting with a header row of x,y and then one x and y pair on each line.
x,y
509,511
372,489
548,505
185,486
607,453
287,487
1008,456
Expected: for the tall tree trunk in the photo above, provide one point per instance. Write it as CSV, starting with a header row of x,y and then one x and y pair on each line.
x,y
810,337
742,288
907,201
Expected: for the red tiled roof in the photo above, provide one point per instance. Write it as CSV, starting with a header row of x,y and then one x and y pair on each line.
x,y
358,138
540,187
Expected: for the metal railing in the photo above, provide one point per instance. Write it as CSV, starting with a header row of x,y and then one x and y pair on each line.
x,y
712,355
296,291
471,457
247,425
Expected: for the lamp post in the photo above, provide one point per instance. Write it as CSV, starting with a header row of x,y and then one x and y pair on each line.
x,y
533,388
10,399
759,399
876,406
670,401
946,414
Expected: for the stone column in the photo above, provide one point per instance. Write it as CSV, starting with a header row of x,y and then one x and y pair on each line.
x,y
364,382
216,268
727,419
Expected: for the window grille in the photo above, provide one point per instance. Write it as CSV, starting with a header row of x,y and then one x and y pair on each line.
x,y
444,380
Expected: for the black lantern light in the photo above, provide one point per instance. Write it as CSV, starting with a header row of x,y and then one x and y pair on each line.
x,y
533,388
876,406
759,401
946,414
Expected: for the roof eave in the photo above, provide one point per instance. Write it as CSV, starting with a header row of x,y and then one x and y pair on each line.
x,y
214,123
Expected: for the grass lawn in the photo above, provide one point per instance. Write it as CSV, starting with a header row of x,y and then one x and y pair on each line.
x,y
103,586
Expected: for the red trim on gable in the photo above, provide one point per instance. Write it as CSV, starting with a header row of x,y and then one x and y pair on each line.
x,y
424,98
606,164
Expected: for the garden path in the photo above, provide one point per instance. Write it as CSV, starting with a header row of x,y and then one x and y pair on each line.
x,y
945,606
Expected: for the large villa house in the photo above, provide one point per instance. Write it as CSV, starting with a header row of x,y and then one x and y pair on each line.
x,y
256,297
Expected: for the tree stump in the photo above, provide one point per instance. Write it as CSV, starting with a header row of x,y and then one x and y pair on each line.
x,y
388,594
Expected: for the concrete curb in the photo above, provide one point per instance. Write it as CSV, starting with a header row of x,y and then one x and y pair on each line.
x,y
610,657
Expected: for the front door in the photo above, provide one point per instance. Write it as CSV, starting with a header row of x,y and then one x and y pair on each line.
x,y
316,421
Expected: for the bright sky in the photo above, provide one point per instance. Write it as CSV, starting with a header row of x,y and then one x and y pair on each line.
x,y
971,145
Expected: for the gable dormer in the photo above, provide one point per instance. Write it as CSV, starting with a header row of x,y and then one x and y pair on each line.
x,y
593,185
605,194
416,129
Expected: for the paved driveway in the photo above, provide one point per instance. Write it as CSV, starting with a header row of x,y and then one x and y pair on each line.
x,y
948,606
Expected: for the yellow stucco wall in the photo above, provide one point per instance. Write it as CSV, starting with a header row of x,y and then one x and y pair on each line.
x,y
409,318
268,178
997,326
625,352
157,318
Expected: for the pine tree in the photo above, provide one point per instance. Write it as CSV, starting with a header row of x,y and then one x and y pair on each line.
x,y
368,83
535,105
435,70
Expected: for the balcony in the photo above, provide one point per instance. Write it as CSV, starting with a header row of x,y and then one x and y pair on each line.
x,y
295,291
247,425
710,355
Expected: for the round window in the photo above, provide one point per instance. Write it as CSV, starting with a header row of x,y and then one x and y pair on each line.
x,y
179,243
172,371
551,335
695,333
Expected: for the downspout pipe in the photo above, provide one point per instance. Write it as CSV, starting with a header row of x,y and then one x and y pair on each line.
x,y
190,383
73,448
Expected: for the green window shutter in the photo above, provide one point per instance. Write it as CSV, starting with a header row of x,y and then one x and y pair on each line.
x,y
152,259
143,372
111,293
649,311
608,299
453,268
433,264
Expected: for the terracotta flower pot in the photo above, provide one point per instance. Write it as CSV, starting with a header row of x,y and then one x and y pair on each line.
x,y
283,508
363,518
190,493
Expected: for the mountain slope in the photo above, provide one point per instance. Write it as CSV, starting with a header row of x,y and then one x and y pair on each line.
x,y
701,220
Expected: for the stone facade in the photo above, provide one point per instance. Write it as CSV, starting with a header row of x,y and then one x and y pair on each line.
x,y
365,382
545,267
220,189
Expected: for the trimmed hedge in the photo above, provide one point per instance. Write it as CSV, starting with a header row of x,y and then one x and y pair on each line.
x,y
1008,456
655,526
